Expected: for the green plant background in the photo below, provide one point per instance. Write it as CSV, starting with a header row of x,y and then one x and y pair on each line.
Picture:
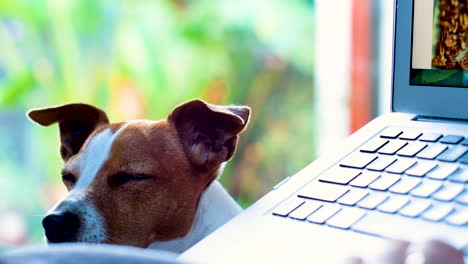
x,y
139,59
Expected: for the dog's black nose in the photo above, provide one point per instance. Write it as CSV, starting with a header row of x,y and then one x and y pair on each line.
x,y
61,227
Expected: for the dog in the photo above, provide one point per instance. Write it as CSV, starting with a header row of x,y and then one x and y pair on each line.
x,y
143,183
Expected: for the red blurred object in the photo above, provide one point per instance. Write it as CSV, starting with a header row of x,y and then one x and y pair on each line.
x,y
361,92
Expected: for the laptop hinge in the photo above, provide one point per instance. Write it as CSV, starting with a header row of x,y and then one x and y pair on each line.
x,y
439,119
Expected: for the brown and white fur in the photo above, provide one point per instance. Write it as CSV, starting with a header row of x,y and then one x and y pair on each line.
x,y
143,183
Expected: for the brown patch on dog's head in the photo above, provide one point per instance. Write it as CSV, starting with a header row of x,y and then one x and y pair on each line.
x,y
149,187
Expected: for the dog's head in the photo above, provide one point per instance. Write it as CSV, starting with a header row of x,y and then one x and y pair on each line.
x,y
137,182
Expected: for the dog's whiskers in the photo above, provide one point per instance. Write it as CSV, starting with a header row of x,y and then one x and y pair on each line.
x,y
115,240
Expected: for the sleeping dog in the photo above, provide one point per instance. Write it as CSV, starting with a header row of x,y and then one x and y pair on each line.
x,y
143,183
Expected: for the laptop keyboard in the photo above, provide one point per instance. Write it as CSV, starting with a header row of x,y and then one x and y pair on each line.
x,y
400,180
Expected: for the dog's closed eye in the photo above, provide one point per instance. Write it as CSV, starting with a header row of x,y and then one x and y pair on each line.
x,y
122,178
68,177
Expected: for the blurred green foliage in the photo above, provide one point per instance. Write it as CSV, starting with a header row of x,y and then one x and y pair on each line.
x,y
141,58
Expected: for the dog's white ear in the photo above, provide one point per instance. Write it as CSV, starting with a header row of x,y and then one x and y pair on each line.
x,y
76,123
209,132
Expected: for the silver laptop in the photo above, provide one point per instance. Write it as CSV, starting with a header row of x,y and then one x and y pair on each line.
x,y
402,176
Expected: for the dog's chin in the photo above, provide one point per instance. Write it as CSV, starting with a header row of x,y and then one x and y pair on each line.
x,y
126,243
49,243
90,240
98,241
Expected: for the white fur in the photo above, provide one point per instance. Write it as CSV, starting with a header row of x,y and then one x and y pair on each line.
x,y
96,153
216,208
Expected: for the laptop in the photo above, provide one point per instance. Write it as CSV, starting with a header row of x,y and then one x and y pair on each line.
x,y
402,176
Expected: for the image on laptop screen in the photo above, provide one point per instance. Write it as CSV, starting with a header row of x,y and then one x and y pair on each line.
x,y
440,43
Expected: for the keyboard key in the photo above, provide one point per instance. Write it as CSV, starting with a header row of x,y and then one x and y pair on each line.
x,y
464,159
464,142
384,182
324,213
405,185
421,168
391,133
463,198
288,206
392,147
323,191
449,192
430,137
372,200
373,145
358,160
393,204
305,210
452,154
437,213
460,176
426,188
442,171
460,217
415,208
340,175
432,151
381,163
411,149
401,165
366,178
410,135
451,139
353,197
346,217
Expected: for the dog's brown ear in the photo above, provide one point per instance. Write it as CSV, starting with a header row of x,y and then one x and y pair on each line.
x,y
76,123
209,132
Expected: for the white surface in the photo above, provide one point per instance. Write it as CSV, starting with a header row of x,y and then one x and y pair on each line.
x,y
385,50
332,78
422,34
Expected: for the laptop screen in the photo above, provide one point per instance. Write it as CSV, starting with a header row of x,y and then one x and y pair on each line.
x,y
430,58
440,43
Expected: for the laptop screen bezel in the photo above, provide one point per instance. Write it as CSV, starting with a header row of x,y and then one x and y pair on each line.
x,y
431,101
